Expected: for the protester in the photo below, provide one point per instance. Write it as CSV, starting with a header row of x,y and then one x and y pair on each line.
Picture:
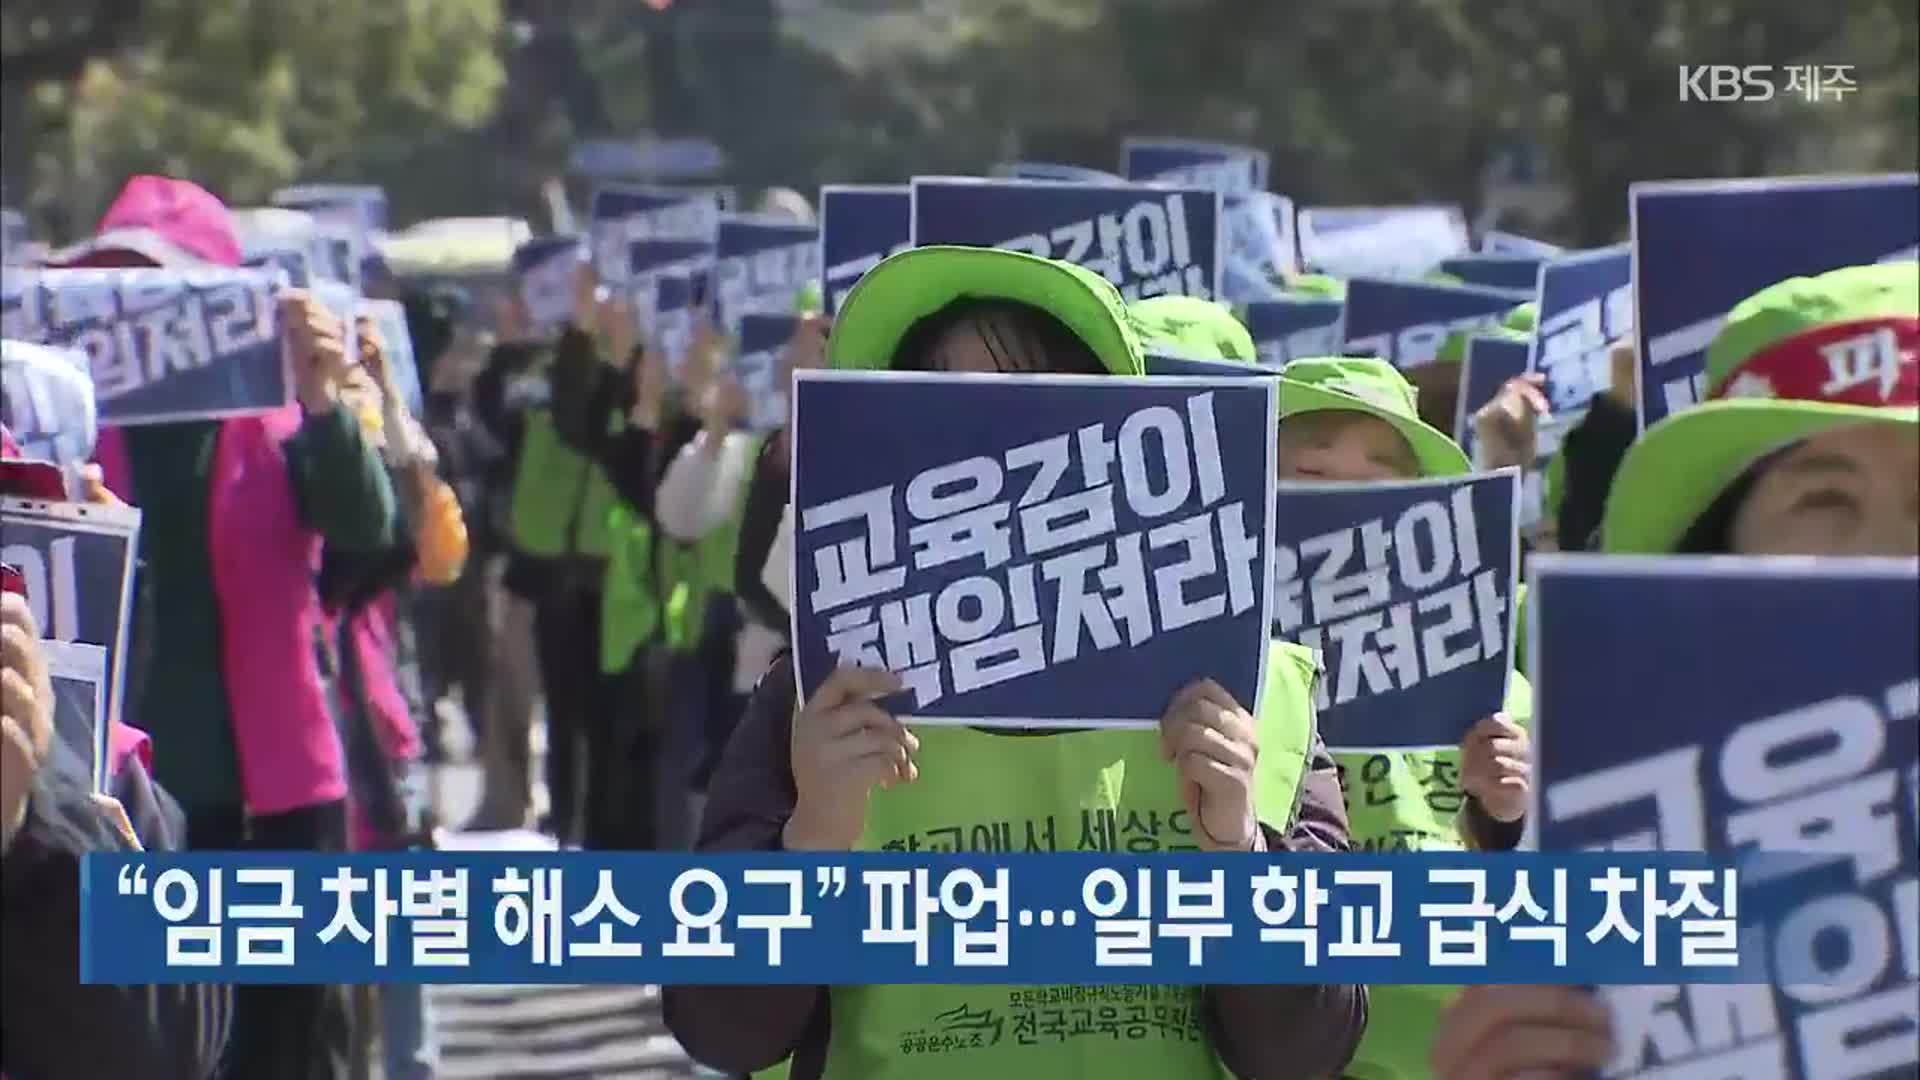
x,y
53,1026
1353,420
381,699
1791,453
234,513
838,773
1575,487
560,505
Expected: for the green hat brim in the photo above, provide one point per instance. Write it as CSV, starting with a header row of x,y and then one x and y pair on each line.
x,y
1436,454
914,284
1682,464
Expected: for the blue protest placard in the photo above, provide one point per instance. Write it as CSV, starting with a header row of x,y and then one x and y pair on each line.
x,y
363,207
161,345
1702,246
1586,302
1406,322
1163,362
342,300
1496,242
391,319
1021,551
1407,592
1260,248
1487,365
1288,329
295,262
79,676
548,269
1747,704
650,263
859,226
622,213
761,264
77,559
758,368
1049,170
1148,240
1379,241
1059,919
673,313
14,234
1229,169
1519,272
46,402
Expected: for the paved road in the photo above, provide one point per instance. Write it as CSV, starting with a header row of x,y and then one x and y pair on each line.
x,y
539,1032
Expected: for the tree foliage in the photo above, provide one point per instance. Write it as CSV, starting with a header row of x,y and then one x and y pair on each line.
x,y
466,105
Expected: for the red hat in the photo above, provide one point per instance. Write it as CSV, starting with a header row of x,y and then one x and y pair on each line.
x,y
159,221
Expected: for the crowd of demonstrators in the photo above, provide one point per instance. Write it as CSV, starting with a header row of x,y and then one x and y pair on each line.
x,y
578,522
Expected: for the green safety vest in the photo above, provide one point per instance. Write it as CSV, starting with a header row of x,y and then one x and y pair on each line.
x,y
561,500
1409,802
630,603
691,573
1104,789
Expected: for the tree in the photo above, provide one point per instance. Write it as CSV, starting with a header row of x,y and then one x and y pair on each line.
x,y
247,95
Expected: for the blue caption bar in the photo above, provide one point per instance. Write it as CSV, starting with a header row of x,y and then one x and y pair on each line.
x,y
886,918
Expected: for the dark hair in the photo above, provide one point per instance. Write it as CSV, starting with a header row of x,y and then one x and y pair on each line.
x,y
1712,532
1016,334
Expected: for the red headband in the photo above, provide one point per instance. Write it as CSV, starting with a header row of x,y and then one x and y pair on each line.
x,y
1873,362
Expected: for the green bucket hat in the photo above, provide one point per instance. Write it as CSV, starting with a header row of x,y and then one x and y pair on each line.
x,y
1771,382
1515,325
1317,286
1374,387
1193,327
905,288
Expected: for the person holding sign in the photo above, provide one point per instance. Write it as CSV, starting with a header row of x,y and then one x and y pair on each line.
x,y
234,512
1804,445
533,398
1353,420
840,772
51,1024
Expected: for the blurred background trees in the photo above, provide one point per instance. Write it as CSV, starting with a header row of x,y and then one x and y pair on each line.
x,y
1538,110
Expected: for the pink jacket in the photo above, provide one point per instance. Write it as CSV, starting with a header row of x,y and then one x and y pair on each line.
x,y
264,561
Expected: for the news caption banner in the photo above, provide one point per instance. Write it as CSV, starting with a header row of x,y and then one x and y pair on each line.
x,y
1033,551
1585,304
162,346
1379,241
1748,705
1286,330
1484,368
1702,246
759,368
882,918
760,266
77,559
1406,590
1147,239
1406,322
619,214
860,224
